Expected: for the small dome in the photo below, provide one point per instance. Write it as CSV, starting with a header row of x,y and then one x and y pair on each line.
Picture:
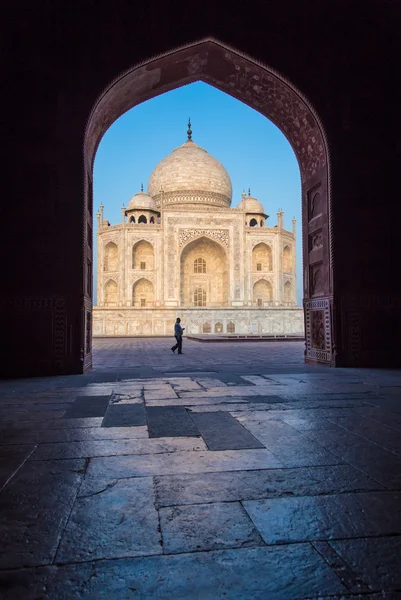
x,y
142,201
190,169
249,204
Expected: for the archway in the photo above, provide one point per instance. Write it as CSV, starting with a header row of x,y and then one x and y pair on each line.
x,y
143,256
142,293
262,293
110,260
274,97
203,274
111,293
262,258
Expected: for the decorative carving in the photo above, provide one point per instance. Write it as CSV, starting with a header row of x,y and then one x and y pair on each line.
x,y
88,345
317,330
316,240
324,354
220,235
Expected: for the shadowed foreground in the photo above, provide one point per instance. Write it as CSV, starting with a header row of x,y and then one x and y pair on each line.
x,y
233,471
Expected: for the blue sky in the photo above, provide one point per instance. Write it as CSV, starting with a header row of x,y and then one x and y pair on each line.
x,y
253,150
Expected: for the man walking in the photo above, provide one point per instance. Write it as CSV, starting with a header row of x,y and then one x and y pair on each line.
x,y
178,331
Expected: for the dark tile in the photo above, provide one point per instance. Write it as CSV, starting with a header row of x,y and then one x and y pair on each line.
x,y
353,582
284,520
280,573
222,432
87,406
170,421
126,415
267,483
267,399
34,508
375,560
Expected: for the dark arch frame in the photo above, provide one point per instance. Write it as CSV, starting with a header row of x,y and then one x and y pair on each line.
x,y
271,94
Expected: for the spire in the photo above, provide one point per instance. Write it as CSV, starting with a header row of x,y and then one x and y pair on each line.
x,y
249,191
141,187
189,131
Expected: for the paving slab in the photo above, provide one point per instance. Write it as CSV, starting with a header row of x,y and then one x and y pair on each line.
x,y
11,459
379,464
170,421
207,527
375,560
181,462
37,503
283,573
126,415
283,520
118,521
222,432
290,446
116,448
379,434
84,406
231,486
75,434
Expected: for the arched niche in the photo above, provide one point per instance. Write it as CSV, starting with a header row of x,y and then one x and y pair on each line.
x,y
143,256
262,293
287,259
111,293
143,294
110,262
288,291
262,258
203,265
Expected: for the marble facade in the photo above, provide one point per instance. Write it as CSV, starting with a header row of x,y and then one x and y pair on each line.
x,y
181,250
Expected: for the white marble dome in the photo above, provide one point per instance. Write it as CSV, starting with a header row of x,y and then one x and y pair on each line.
x,y
194,175
249,204
142,201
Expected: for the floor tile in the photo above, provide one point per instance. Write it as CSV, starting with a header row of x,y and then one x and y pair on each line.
x,y
375,560
268,483
87,406
207,527
170,421
222,432
126,415
283,520
181,462
291,447
37,502
115,522
280,573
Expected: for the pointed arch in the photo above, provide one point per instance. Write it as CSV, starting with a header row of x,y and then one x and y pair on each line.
x,y
288,291
111,293
287,259
262,293
143,293
260,87
110,262
143,256
262,257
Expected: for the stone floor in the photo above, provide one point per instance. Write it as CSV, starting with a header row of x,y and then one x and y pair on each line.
x,y
233,471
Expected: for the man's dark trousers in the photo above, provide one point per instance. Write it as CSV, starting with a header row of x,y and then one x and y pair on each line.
x,y
178,344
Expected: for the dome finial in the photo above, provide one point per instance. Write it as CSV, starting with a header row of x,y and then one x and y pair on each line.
x,y
249,191
189,132
141,187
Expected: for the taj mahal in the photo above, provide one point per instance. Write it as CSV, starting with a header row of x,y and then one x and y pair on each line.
x,y
182,251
